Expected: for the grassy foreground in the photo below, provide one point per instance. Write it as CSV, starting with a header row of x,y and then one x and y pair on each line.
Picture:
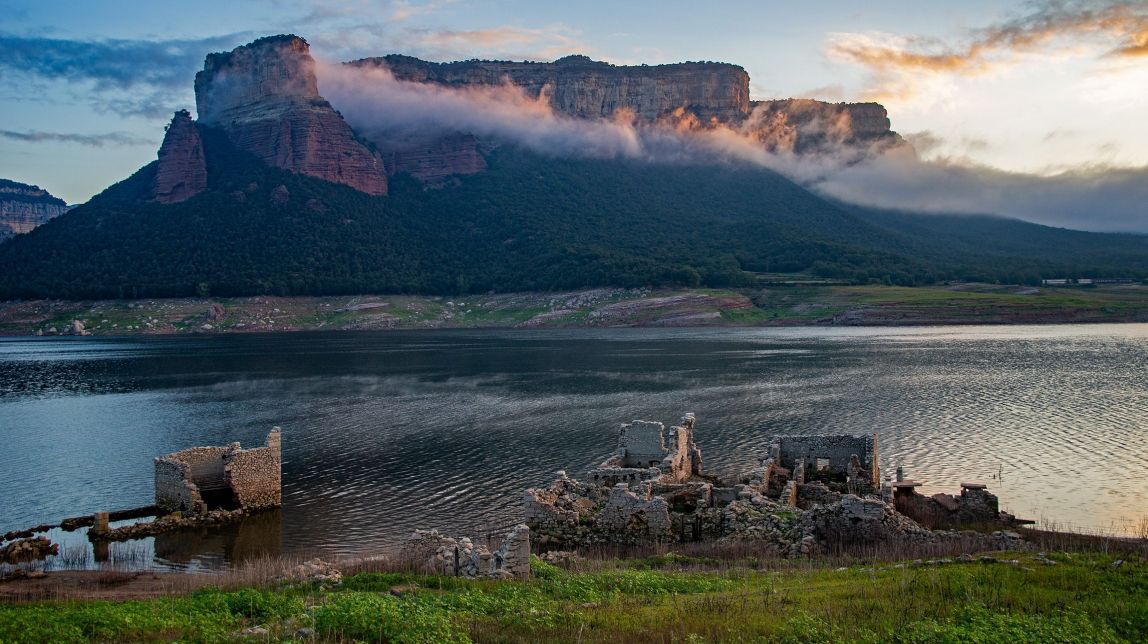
x,y
670,598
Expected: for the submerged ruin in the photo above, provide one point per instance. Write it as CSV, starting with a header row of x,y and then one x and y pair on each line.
x,y
807,494
200,480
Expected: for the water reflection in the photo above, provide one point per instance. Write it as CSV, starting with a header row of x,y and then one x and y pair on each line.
x,y
384,433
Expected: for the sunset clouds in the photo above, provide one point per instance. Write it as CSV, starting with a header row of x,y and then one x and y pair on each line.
x,y
1054,30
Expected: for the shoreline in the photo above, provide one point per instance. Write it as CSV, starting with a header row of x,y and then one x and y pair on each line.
x,y
785,306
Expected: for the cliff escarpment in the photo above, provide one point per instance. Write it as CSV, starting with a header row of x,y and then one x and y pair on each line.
x,y
585,88
686,96
265,96
24,207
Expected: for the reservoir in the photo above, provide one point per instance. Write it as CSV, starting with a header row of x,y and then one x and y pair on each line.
x,y
391,431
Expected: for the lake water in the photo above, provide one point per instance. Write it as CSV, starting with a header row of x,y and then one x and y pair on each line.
x,y
386,432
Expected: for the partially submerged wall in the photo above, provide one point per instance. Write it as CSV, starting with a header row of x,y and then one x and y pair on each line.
x,y
201,479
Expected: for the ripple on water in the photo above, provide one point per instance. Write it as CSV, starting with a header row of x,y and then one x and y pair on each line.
x,y
385,433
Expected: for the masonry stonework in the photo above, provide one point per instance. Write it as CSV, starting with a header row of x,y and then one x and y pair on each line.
x,y
201,479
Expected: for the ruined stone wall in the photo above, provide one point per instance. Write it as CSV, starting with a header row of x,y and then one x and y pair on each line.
x,y
630,517
435,553
642,444
182,478
972,508
174,490
685,459
187,480
255,475
789,451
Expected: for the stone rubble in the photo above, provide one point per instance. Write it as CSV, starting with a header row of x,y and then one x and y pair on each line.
x,y
313,571
29,549
437,554
811,495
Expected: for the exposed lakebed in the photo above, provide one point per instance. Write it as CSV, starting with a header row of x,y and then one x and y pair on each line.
x,y
387,432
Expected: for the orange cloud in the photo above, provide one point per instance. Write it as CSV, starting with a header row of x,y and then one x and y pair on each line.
x,y
1121,26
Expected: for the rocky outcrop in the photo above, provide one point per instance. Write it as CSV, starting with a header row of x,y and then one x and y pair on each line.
x,y
581,87
265,96
808,126
23,207
685,96
434,160
182,170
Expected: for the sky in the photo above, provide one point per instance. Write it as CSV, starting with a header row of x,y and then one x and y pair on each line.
x,y
1023,97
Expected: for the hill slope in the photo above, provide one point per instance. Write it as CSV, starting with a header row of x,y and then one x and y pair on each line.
x,y
527,223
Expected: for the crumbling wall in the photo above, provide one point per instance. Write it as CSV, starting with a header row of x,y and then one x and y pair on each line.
x,y
633,518
684,459
437,554
832,453
255,475
183,479
975,506
647,452
200,479
642,444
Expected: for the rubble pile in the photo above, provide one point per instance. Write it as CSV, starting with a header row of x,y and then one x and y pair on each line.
x,y
810,495
29,549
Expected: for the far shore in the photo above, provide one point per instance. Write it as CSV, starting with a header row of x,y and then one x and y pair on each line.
x,y
799,304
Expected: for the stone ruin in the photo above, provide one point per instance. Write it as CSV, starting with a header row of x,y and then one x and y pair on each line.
x,y
436,554
201,480
809,494
841,464
974,506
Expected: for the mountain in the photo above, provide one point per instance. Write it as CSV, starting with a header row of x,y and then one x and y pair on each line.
x,y
265,96
24,207
271,191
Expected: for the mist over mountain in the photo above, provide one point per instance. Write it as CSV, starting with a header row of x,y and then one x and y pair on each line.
x,y
397,175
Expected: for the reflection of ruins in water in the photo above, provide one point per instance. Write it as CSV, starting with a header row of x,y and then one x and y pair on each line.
x,y
255,537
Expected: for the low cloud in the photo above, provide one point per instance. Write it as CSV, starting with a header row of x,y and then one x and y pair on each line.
x,y
1087,198
899,64
1090,198
90,140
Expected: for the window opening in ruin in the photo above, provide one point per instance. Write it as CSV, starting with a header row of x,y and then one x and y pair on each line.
x,y
822,464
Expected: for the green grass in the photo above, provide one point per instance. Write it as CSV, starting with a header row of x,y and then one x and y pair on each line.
x,y
669,598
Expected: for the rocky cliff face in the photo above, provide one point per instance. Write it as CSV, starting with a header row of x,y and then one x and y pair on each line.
x,y
581,87
265,96
23,207
436,159
182,170
809,126
684,95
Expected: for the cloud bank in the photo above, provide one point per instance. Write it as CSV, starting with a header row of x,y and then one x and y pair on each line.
x,y
388,110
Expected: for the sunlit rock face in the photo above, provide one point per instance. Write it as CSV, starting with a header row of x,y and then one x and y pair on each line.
x,y
182,169
23,207
808,126
265,96
684,96
581,87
